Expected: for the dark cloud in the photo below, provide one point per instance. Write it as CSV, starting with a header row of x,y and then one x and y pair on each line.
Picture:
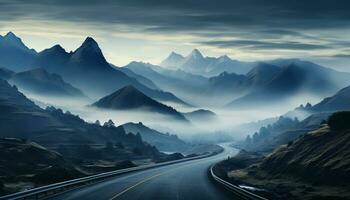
x,y
189,14
245,19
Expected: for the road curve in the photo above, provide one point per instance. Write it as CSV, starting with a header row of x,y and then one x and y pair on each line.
x,y
187,180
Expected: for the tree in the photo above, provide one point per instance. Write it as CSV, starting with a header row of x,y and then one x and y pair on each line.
x,y
263,132
97,122
110,123
308,106
339,121
248,140
255,137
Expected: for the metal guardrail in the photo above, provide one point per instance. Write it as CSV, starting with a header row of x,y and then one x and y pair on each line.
x,y
242,193
56,188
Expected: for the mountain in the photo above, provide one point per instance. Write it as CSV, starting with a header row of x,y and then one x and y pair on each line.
x,y
52,58
173,60
194,62
201,115
183,84
39,81
14,54
226,64
5,73
87,69
291,80
226,82
143,80
129,98
163,141
197,64
261,74
339,101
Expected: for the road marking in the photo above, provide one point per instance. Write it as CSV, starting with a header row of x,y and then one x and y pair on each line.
x,y
137,184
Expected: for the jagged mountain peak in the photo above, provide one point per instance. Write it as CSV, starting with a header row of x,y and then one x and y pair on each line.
x,y
89,54
90,44
14,40
57,49
11,35
174,59
175,55
195,53
224,58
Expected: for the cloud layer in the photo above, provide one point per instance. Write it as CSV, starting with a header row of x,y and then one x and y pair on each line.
x,y
318,27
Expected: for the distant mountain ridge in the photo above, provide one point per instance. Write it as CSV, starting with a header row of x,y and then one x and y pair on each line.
x,y
129,98
39,81
270,82
196,63
290,80
85,68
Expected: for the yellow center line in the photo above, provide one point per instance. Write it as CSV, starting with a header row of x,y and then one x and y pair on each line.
x,y
139,183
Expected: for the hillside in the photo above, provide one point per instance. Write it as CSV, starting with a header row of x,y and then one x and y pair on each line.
x,y
320,156
129,98
337,102
163,141
315,165
21,118
33,164
39,81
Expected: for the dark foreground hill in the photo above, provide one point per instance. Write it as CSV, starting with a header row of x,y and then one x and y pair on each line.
x,y
314,166
129,98
22,159
321,156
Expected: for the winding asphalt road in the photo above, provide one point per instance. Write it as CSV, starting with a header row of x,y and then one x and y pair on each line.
x,y
188,180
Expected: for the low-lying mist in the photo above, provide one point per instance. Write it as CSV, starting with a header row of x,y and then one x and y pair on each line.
x,y
226,126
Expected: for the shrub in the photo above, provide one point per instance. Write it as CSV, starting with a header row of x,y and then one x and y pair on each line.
x,y
339,121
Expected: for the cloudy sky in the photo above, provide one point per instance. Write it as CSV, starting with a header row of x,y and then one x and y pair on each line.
x,y
148,30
